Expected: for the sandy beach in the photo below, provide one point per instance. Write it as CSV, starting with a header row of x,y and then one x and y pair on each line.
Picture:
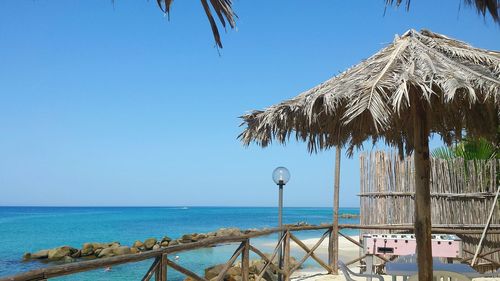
x,y
347,250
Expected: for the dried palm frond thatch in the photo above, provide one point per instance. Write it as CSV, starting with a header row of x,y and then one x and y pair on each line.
x,y
459,84
420,84
223,9
483,7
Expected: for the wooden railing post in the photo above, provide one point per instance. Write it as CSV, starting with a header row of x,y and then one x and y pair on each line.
x,y
163,268
286,256
245,261
333,250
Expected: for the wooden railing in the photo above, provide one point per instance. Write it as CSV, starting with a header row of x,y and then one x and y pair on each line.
x,y
161,260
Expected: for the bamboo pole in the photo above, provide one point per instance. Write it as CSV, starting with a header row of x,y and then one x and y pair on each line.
x,y
422,189
486,227
333,242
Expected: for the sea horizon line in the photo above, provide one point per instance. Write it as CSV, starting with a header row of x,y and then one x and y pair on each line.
x,y
166,206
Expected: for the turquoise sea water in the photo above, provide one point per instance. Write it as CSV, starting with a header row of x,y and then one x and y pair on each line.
x,y
29,229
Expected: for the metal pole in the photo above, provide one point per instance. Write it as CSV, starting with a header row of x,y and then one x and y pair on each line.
x,y
280,224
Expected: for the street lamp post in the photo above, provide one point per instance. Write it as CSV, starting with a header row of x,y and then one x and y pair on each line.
x,y
281,176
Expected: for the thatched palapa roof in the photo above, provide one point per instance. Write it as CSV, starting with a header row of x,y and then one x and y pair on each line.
x,y
459,85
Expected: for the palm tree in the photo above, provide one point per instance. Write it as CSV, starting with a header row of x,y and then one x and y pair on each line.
x,y
223,9
468,149
225,12
472,151
483,7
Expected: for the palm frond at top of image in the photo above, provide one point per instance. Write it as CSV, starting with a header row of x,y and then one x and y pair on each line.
x,y
483,7
222,8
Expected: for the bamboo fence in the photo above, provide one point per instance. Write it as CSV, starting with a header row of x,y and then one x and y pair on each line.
x,y
462,194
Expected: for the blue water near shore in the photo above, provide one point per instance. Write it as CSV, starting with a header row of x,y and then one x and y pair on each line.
x,y
29,229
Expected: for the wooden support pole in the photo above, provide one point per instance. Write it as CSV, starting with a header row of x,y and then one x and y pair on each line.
x,y
151,270
245,261
493,262
422,188
163,268
265,258
286,257
308,254
333,242
230,262
488,222
185,271
481,255
270,261
305,248
157,273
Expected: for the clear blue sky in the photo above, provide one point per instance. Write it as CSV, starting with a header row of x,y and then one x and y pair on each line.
x,y
114,105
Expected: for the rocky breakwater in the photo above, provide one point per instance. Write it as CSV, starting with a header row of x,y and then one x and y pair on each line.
x,y
94,250
349,216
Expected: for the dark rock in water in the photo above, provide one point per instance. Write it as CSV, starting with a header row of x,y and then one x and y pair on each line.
x,y
232,231
114,251
77,254
97,252
42,254
61,252
257,266
349,216
187,238
234,272
213,271
138,244
26,256
149,243
106,253
97,246
122,250
251,230
87,249
166,239
200,236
